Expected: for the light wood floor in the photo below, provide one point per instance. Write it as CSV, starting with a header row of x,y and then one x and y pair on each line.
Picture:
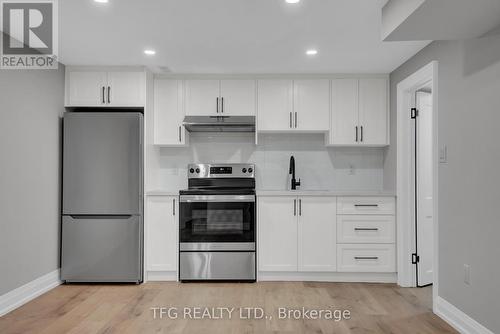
x,y
375,308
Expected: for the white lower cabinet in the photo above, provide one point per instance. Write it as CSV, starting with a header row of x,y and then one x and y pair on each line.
x,y
325,237
366,258
317,233
277,226
297,233
161,232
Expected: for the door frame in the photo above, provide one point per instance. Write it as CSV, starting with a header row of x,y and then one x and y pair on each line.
x,y
405,187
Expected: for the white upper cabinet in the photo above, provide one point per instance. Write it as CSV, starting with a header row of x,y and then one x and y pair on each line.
x,y
293,105
274,105
220,97
373,111
359,112
277,228
126,89
237,97
202,97
311,104
87,88
169,113
344,119
317,233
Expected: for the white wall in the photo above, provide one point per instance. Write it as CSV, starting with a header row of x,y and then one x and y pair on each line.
x,y
469,184
31,104
317,166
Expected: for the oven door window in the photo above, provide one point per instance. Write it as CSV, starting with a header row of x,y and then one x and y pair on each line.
x,y
217,222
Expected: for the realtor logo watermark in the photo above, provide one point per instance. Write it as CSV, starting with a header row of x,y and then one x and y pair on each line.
x,y
29,34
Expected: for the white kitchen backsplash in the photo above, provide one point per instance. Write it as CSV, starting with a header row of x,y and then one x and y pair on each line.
x,y
318,167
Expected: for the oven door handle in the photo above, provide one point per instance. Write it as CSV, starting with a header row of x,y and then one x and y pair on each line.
x,y
217,198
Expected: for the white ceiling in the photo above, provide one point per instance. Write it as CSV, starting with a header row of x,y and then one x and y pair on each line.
x,y
231,36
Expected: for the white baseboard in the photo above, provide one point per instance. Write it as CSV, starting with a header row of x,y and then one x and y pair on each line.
x,y
327,277
20,296
458,319
159,276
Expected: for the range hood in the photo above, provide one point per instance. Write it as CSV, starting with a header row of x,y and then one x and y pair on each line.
x,y
219,123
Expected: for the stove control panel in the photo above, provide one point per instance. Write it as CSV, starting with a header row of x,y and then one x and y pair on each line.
x,y
200,171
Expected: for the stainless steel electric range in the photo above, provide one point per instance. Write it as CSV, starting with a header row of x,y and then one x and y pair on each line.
x,y
217,229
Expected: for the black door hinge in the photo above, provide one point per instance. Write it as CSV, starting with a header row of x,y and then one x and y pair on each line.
x,y
413,113
415,258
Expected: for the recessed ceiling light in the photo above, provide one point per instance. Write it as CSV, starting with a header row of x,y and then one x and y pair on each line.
x,y
292,1
311,52
101,1
150,52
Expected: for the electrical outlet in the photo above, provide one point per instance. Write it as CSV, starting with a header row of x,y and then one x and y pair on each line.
x,y
352,170
443,154
467,274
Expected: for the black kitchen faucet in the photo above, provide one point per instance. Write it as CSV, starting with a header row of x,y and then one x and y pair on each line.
x,y
295,183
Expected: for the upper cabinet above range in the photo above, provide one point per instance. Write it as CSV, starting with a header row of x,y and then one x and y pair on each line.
x,y
226,97
89,87
293,105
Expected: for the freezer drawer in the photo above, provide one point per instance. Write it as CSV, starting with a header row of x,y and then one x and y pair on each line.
x,y
101,249
217,266
102,163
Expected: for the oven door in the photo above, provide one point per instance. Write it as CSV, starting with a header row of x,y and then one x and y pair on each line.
x,y
217,222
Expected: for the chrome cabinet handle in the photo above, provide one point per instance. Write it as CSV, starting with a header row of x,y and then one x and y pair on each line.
x,y
180,134
103,95
109,94
356,134
294,207
366,257
295,119
173,207
365,229
217,104
361,133
300,207
222,105
290,119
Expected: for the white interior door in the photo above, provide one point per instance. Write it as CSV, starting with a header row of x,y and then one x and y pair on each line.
x,y
317,233
424,170
238,97
202,97
277,233
344,120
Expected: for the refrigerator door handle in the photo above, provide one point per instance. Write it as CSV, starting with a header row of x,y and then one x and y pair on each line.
x,y
100,216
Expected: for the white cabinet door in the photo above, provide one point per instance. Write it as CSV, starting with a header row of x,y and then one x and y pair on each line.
x,y
311,104
237,97
317,233
168,113
373,111
344,121
85,88
274,105
202,97
126,89
277,226
161,226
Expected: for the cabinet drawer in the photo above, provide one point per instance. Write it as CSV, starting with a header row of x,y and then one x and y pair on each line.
x,y
365,229
366,258
366,205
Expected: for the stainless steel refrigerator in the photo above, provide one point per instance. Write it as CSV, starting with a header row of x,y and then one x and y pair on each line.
x,y
102,209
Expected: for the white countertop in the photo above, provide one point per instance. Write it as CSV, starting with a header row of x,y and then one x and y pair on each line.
x,y
294,193
325,193
162,193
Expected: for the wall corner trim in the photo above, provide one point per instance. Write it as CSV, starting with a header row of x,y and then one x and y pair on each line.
x,y
458,319
20,296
